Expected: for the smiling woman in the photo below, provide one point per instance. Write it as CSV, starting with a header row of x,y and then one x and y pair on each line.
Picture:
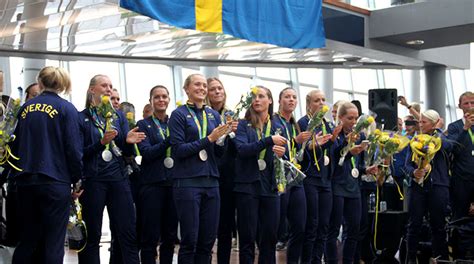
x,y
194,128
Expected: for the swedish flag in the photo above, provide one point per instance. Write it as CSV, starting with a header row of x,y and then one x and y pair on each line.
x,y
296,24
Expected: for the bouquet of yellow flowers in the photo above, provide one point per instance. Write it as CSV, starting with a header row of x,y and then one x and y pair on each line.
x,y
315,122
389,144
424,148
364,122
106,111
244,103
8,123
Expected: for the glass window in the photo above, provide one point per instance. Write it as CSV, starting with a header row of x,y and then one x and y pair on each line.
x,y
364,102
364,79
342,80
82,71
341,96
141,78
459,83
188,71
308,76
235,87
242,70
393,79
274,73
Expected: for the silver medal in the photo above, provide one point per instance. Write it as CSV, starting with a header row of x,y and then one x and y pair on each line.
x,y
138,160
355,173
106,155
203,155
168,162
262,164
326,160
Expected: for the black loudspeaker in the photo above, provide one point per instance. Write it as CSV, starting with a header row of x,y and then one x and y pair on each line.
x,y
383,102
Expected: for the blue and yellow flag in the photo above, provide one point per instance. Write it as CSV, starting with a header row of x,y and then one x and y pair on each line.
x,y
296,24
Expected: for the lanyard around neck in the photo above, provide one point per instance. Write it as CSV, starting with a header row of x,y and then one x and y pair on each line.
x,y
267,133
158,125
202,129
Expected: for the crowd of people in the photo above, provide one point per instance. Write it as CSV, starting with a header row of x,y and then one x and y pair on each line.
x,y
189,176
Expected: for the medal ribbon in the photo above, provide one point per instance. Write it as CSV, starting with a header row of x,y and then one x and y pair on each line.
x,y
472,136
314,146
160,129
290,142
98,124
267,133
202,129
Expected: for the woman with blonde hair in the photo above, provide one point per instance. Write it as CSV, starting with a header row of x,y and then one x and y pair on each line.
x,y
432,195
106,182
50,151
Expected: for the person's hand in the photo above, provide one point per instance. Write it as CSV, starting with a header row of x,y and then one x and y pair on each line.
x,y
234,125
322,139
108,136
76,194
279,150
373,170
469,121
134,136
403,101
217,133
419,173
336,132
357,149
352,137
303,136
278,140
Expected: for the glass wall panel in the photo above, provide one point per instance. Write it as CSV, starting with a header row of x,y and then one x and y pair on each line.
x,y
140,78
308,76
274,73
82,71
235,86
459,83
364,79
242,70
342,80
364,102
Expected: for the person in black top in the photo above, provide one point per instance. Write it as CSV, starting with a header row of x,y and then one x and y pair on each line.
x,y
50,151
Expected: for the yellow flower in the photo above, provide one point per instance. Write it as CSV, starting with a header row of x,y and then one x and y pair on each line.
x,y
281,188
108,115
395,141
370,119
17,101
384,138
179,103
377,132
417,145
130,115
325,108
254,90
105,99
